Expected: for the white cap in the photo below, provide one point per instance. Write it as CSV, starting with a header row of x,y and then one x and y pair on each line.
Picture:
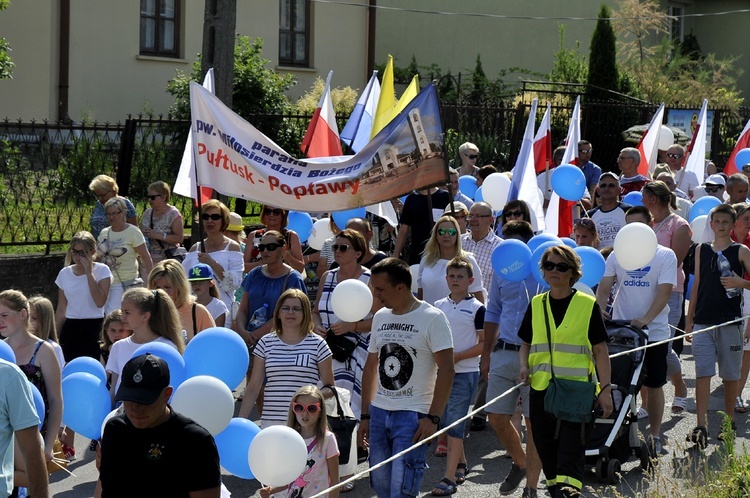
x,y
716,180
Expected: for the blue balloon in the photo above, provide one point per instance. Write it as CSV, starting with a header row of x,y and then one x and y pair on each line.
x,y
633,198
541,238
174,359
478,197
87,403
6,352
467,184
233,444
218,352
592,265
569,242
702,206
511,259
85,364
342,217
536,259
402,199
38,404
742,158
568,182
301,223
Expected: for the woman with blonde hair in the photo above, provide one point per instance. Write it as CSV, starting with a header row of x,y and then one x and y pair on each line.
x,y
443,245
162,224
105,188
169,276
585,233
276,364
42,324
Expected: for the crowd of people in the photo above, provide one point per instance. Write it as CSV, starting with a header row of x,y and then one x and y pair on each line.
x,y
445,332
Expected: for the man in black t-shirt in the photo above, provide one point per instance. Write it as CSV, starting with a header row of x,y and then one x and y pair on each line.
x,y
417,218
150,449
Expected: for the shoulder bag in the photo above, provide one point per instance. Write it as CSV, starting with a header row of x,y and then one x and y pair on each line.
x,y
342,425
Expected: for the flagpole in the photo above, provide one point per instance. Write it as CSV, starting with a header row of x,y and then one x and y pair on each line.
x,y
198,197
445,158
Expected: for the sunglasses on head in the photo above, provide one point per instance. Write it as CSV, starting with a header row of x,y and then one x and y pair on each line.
x,y
513,213
472,156
447,231
587,222
340,247
268,247
275,212
152,197
206,217
674,156
312,408
561,267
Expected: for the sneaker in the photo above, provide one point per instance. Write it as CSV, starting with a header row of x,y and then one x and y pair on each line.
x,y
642,413
514,478
654,446
739,406
478,424
528,493
699,436
93,445
69,452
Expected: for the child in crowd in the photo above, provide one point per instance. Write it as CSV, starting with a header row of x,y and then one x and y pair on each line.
x,y
307,415
201,280
466,317
42,324
112,331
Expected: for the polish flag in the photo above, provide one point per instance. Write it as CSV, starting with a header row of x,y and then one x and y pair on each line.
x,y
696,161
543,143
649,144
523,185
322,137
742,143
559,218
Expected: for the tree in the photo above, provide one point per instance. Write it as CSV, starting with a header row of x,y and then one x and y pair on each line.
x,y
479,83
637,20
602,56
344,99
6,63
570,66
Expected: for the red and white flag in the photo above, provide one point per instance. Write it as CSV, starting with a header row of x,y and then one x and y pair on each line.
x,y
696,161
543,143
649,144
559,218
524,186
322,137
742,143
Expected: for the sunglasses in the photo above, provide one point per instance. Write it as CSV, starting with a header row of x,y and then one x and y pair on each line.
x,y
340,247
472,156
561,267
584,151
587,222
447,231
152,197
268,247
312,408
607,185
512,213
713,190
78,253
206,217
674,156
275,212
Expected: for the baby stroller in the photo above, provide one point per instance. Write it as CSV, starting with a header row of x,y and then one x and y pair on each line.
x,y
615,439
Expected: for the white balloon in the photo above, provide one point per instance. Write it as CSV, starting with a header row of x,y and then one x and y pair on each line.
x,y
495,190
698,226
320,232
277,455
584,288
666,138
207,400
635,246
351,300
414,276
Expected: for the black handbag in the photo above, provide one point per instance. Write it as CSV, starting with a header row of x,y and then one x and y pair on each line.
x,y
341,346
342,427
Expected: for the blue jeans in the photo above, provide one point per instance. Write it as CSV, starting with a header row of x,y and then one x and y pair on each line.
x,y
391,432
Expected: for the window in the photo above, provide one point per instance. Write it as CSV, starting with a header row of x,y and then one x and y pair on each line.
x,y
676,24
160,28
294,33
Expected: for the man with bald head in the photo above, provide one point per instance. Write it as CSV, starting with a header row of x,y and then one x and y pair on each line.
x,y
630,179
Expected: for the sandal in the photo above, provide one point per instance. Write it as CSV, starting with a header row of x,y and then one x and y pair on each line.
x,y
679,405
441,450
349,486
444,488
642,413
699,436
739,406
461,471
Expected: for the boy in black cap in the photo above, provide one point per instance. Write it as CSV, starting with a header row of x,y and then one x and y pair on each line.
x,y
150,446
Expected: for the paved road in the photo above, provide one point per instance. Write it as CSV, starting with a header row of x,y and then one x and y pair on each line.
x,y
679,465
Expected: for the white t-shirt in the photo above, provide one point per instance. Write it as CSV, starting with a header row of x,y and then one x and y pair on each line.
x,y
122,351
609,223
406,365
432,281
465,318
76,289
58,353
217,308
686,180
637,289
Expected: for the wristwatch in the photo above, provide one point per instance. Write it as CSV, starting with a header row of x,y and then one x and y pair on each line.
x,y
434,419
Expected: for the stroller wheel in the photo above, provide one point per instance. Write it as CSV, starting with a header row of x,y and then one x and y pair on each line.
x,y
613,471
601,469
645,457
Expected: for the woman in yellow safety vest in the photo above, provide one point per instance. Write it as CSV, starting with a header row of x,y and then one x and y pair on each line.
x,y
577,331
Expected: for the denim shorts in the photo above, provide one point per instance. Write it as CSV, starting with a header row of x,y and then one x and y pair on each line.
x,y
464,387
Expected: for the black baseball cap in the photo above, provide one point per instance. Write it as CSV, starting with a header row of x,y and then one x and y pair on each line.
x,y
143,379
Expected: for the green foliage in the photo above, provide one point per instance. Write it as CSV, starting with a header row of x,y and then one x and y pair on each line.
x,y
344,99
570,65
6,63
480,85
690,47
602,72
257,89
